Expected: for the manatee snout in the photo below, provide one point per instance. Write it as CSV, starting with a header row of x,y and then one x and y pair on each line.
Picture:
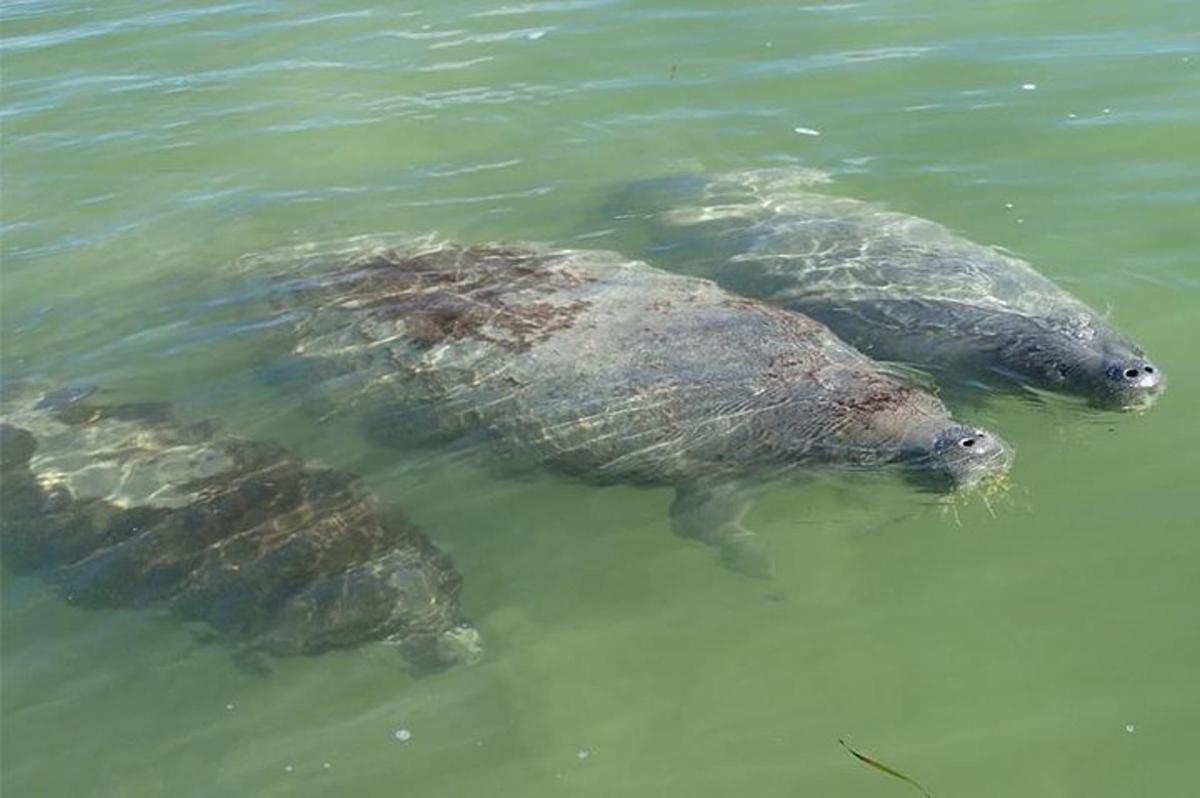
x,y
1131,383
964,456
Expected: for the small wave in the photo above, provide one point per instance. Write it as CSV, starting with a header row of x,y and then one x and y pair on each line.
x,y
529,34
479,167
446,66
541,8
37,41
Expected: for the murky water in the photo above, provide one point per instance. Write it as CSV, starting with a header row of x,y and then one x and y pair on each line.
x,y
1047,647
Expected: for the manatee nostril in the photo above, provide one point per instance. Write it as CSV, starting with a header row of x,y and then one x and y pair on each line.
x,y
1148,369
968,442
1131,373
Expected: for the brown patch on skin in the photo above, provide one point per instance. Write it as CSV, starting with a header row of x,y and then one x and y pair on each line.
x,y
463,292
880,397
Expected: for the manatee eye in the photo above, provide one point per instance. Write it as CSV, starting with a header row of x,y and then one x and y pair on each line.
x,y
1062,369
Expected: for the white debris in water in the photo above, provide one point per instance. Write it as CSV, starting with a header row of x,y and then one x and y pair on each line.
x,y
1029,86
771,45
1129,727
1008,205
807,131
1108,110
229,706
288,768
1071,116
583,753
326,765
535,35
403,735
1020,221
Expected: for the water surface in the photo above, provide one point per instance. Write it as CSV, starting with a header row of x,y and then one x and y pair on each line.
x,y
1045,648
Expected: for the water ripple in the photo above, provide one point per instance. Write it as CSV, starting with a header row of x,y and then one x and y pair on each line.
x,y
37,41
529,34
542,8
816,61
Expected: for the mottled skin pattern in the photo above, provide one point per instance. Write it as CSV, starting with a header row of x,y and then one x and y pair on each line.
x,y
895,286
610,371
122,505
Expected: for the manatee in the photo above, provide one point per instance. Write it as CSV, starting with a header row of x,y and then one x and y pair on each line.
x,y
124,505
898,287
610,371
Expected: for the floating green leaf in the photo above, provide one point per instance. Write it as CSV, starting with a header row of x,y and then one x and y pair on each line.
x,y
866,760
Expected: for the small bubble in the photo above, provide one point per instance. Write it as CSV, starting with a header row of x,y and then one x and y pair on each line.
x,y
403,735
583,753
1072,116
1008,205
288,768
1108,110
1029,86
326,765
1020,221
1129,727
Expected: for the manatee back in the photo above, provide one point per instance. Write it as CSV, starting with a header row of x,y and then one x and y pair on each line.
x,y
777,240
599,367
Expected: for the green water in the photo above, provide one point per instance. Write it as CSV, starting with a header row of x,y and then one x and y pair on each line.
x,y
1046,648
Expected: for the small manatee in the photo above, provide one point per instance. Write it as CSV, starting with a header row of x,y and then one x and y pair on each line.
x,y
274,554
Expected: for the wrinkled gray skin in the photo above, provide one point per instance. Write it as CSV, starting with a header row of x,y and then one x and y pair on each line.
x,y
123,505
613,372
897,287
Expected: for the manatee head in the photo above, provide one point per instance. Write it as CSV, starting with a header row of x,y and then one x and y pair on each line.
x,y
912,428
1125,379
963,456
1103,367
949,456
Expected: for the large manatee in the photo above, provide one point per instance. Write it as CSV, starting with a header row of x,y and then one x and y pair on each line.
x,y
123,505
897,287
614,372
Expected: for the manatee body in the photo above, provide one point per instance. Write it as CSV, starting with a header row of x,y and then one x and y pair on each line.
x,y
614,372
897,287
123,505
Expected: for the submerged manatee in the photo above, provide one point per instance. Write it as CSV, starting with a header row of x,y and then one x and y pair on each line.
x,y
895,286
613,372
122,505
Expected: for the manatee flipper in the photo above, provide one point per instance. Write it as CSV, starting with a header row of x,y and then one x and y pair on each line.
x,y
713,514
